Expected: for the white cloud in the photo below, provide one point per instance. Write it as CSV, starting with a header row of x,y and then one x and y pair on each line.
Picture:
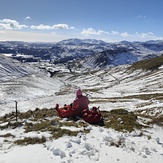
x,y
125,34
28,18
72,28
8,24
11,24
60,26
41,27
13,35
91,31
115,36
48,27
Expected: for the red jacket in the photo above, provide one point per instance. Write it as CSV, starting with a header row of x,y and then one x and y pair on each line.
x,y
82,102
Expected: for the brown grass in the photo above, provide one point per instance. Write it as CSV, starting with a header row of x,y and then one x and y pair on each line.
x,y
148,64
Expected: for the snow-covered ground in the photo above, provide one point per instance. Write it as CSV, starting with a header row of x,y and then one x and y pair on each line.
x,y
106,89
93,147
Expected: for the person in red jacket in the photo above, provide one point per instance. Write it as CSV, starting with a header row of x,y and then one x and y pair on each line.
x,y
81,101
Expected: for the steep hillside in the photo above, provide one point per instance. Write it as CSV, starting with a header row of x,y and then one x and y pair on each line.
x,y
10,69
149,64
23,82
110,58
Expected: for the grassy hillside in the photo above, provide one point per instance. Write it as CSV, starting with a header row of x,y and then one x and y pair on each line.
x,y
148,64
46,120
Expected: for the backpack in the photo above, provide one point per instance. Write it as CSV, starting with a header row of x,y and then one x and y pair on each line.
x,y
67,111
92,116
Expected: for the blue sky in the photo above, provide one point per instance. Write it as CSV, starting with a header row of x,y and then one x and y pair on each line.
x,y
55,20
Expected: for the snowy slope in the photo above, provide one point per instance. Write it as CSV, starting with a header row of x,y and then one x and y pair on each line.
x,y
10,69
23,82
111,88
109,58
90,148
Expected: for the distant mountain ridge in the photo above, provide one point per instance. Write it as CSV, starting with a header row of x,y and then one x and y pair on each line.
x,y
98,52
77,41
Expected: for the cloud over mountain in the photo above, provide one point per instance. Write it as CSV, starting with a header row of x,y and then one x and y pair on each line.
x,y
13,27
11,24
48,27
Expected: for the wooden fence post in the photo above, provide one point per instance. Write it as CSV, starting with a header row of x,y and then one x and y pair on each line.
x,y
16,108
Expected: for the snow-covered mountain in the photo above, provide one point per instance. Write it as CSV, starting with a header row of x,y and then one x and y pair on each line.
x,y
77,41
67,50
117,53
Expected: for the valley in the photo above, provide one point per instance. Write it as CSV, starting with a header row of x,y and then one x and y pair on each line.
x,y
129,96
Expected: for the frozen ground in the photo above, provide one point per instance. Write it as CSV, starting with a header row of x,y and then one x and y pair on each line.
x,y
105,89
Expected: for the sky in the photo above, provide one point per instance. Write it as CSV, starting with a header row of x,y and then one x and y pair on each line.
x,y
56,20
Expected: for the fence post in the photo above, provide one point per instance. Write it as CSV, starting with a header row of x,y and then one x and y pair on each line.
x,y
16,108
